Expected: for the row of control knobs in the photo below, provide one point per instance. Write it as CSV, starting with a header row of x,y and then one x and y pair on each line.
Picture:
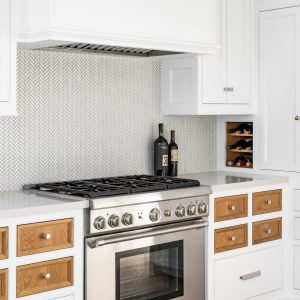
x,y
154,216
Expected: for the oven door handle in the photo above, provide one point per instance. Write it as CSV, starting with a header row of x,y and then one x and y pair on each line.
x,y
98,242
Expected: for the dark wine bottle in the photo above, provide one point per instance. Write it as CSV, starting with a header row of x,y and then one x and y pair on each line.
x,y
242,145
161,154
245,128
173,156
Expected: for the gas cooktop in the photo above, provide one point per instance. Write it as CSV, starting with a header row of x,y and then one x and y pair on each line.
x,y
101,187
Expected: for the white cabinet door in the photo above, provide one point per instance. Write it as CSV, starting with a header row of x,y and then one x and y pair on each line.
x,y
71,297
214,66
179,84
7,57
279,88
239,51
296,264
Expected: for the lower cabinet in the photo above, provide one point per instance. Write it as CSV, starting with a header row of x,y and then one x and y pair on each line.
x,y
249,275
296,264
4,284
45,276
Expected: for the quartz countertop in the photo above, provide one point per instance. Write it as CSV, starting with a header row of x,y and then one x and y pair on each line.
x,y
21,203
225,181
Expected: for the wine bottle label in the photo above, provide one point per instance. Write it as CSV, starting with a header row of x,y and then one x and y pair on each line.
x,y
174,155
165,160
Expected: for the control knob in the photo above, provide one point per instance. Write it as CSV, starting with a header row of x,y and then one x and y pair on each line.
x,y
203,208
180,211
191,210
154,214
99,223
114,221
127,219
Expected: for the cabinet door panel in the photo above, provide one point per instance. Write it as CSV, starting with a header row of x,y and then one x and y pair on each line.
x,y
214,66
279,87
238,50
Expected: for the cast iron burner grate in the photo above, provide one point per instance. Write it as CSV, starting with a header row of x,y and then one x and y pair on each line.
x,y
110,186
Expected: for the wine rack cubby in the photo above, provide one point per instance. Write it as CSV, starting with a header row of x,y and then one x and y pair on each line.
x,y
239,133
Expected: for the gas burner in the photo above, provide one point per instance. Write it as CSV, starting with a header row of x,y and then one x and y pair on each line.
x,y
110,186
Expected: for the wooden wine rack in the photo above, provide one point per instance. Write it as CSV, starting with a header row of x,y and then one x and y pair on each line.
x,y
231,139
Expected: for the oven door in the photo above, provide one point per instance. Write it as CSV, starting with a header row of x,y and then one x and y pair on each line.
x,y
161,263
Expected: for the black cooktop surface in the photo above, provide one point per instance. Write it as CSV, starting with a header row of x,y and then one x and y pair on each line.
x,y
100,187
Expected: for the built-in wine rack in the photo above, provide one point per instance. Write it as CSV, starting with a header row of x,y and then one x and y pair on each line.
x,y
232,138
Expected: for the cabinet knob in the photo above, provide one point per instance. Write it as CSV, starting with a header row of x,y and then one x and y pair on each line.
x,y
269,202
232,238
231,89
46,276
232,207
47,236
297,118
268,230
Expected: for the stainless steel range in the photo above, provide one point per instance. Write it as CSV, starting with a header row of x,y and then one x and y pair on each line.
x,y
145,236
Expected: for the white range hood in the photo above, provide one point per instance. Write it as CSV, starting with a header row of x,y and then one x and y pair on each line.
x,y
154,27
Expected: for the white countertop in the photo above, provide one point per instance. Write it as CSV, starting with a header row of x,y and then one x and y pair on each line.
x,y
18,203
225,181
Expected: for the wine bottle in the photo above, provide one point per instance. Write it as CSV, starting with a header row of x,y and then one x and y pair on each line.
x,y
173,156
244,128
161,154
242,145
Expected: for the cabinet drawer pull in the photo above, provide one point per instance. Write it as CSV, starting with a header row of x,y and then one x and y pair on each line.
x,y
250,275
232,207
297,118
46,236
268,230
269,202
232,238
46,276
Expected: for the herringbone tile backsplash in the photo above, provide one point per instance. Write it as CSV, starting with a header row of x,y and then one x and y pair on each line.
x,y
84,116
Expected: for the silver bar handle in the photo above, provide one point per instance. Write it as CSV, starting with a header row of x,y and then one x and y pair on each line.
x,y
98,242
250,275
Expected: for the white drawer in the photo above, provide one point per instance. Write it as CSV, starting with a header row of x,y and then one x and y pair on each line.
x,y
297,268
228,272
297,200
297,228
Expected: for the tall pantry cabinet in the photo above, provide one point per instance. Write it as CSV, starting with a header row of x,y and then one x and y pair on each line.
x,y
280,89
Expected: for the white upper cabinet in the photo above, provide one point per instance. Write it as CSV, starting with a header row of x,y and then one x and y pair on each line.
x,y
280,89
8,57
172,25
221,82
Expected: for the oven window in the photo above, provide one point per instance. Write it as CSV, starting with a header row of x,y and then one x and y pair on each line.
x,y
154,272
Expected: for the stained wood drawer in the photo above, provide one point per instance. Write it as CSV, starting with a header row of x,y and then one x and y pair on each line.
x,y
45,236
266,202
248,275
4,284
3,243
233,207
45,276
230,238
265,231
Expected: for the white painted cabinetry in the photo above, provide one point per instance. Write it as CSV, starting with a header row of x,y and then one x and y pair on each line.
x,y
215,84
174,25
280,89
8,57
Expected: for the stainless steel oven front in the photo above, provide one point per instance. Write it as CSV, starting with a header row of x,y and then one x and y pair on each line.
x,y
159,263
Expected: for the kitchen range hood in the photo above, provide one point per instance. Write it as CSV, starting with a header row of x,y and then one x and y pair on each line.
x,y
105,49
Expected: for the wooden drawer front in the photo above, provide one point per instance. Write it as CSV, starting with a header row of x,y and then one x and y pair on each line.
x,y
232,207
4,284
265,231
249,275
46,236
231,238
266,202
4,243
45,276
